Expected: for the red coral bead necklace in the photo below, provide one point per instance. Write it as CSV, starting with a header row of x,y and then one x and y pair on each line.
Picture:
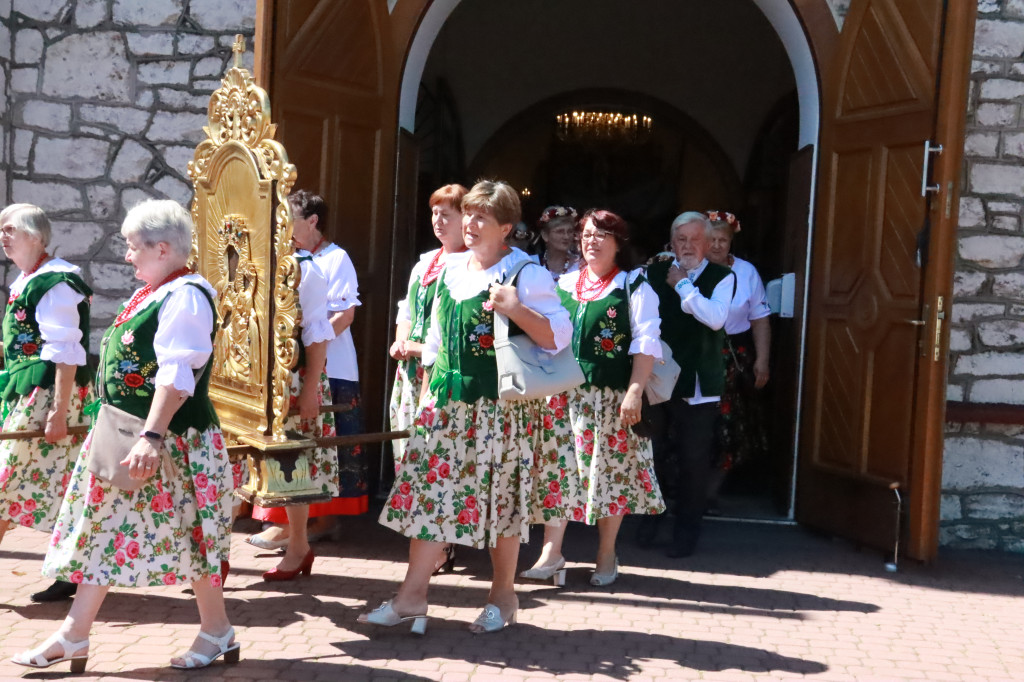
x,y
145,291
39,264
587,289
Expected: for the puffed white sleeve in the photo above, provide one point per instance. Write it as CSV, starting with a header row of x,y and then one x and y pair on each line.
x,y
432,343
537,291
645,320
313,301
57,317
758,298
183,340
342,285
403,305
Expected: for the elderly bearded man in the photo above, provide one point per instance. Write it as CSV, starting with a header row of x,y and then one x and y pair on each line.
x,y
693,299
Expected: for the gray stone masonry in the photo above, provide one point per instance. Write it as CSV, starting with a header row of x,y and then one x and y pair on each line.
x,y
104,102
983,466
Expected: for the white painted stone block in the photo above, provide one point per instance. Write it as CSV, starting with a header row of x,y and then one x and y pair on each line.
x,y
148,13
990,364
105,308
997,179
209,66
55,196
1013,144
89,13
224,15
145,44
89,65
37,113
1003,39
131,162
177,127
172,188
74,239
1001,333
127,120
22,147
1006,223
949,508
968,283
1008,285
79,158
992,251
954,392
994,115
28,46
998,391
166,72
982,144
1002,89
42,10
177,157
959,340
972,212
193,44
25,79
112,276
102,200
970,463
964,312
982,67
993,506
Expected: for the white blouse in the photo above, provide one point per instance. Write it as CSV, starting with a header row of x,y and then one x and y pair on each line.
x,y
534,286
418,271
750,301
342,294
183,342
57,315
644,318
313,302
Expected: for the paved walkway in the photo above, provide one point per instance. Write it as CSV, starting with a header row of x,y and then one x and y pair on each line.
x,y
757,602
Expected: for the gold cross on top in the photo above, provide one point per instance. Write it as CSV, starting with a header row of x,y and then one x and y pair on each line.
x,y
238,48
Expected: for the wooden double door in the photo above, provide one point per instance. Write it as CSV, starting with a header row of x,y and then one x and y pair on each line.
x,y
881,257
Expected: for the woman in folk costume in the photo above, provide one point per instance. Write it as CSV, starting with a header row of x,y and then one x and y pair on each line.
x,y
465,476
610,471
309,212
309,390
414,315
154,365
46,382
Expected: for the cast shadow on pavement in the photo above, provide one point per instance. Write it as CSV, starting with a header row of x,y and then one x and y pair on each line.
x,y
246,669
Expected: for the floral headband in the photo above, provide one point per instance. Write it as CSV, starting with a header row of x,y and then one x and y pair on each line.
x,y
724,217
552,212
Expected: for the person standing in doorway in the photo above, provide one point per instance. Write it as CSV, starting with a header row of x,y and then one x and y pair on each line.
x,y
693,298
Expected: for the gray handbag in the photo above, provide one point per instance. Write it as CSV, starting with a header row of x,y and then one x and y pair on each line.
x,y
525,370
665,372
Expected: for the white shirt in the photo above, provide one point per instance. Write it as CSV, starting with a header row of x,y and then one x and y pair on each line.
x,y
534,286
57,315
644,319
418,271
750,301
711,312
313,302
183,342
342,294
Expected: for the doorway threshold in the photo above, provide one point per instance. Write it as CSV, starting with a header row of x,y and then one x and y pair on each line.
x,y
752,520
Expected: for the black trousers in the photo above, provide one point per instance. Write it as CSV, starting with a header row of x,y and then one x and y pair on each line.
x,y
683,462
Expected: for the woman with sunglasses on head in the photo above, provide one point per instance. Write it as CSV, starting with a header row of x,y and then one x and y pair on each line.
x,y
608,471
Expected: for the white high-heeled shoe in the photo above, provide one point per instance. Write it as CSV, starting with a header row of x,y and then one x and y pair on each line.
x,y
36,657
491,620
385,616
605,579
555,573
226,648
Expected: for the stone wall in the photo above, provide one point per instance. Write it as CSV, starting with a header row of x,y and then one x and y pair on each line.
x,y
106,100
983,469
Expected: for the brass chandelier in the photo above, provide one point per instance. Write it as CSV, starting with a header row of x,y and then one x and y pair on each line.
x,y
610,126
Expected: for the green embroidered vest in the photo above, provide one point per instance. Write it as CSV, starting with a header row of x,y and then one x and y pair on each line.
x,y
465,369
421,303
300,361
601,336
24,368
697,348
128,370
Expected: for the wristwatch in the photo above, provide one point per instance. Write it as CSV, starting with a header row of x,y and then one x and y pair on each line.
x,y
151,435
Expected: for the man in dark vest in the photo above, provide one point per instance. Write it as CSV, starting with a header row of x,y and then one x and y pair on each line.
x,y
693,298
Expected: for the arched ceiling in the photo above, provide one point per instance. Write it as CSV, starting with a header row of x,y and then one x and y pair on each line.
x,y
719,61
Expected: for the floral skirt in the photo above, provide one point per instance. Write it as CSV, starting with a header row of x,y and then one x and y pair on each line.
x,y
323,465
175,529
405,396
555,476
465,477
741,429
33,473
614,468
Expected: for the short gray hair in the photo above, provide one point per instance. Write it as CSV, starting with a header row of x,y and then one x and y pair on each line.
x,y
30,219
687,217
160,220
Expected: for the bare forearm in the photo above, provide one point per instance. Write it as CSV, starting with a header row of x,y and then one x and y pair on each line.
x,y
535,325
63,385
316,361
762,332
643,365
343,320
401,329
166,401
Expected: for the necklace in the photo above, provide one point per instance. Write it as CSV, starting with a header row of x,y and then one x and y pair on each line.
x,y
142,293
569,260
35,267
318,245
435,267
587,290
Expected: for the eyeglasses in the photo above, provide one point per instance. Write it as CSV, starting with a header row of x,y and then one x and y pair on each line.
x,y
596,236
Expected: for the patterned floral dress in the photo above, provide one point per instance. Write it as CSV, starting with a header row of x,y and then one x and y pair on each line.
x,y
465,477
176,527
46,323
607,470
323,462
415,309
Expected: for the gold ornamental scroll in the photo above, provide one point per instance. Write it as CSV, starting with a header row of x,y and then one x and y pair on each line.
x,y
243,246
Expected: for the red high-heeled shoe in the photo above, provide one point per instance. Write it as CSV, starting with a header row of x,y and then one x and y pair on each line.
x,y
225,568
278,575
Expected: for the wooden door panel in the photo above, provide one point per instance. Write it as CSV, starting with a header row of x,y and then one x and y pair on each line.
x,y
866,285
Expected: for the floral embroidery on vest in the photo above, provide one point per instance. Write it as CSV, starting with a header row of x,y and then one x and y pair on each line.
x,y
608,340
481,336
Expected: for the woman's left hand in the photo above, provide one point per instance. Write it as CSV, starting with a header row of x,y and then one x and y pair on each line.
x,y
632,404
504,298
56,425
143,460
760,373
309,407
